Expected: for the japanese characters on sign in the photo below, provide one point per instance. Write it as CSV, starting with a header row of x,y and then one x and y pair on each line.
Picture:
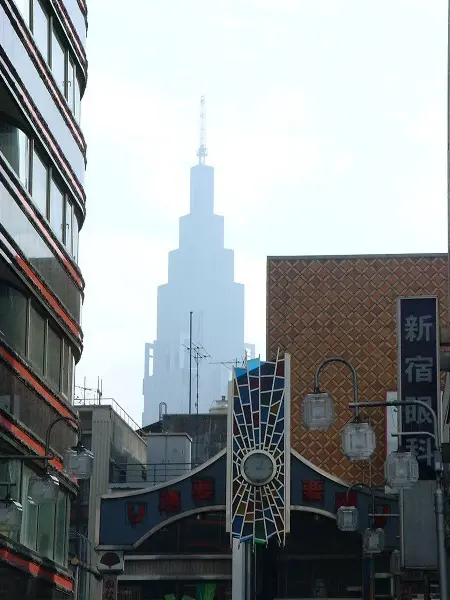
x,y
418,374
169,501
109,587
203,489
313,490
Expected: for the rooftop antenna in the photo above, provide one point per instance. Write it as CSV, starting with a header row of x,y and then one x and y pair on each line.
x,y
229,364
198,353
202,151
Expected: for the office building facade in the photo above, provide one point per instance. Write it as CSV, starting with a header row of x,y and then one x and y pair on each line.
x,y
43,70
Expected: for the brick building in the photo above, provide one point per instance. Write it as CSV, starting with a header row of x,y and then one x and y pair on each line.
x,y
325,306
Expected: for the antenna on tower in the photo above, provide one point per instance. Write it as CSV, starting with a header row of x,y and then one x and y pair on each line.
x,y
202,151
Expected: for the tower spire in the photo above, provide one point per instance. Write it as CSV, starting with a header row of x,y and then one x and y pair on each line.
x,y
202,151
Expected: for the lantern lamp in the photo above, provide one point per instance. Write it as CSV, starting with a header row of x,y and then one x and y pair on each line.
x,y
10,515
79,462
347,518
373,541
358,440
401,470
43,490
318,411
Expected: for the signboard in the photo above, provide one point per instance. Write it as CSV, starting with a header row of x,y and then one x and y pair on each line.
x,y
418,374
110,586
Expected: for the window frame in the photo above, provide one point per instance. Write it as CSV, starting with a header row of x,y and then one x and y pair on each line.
x,y
22,473
65,348
45,11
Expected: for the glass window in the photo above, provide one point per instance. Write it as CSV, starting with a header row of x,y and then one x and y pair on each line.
x,y
53,357
56,210
40,28
65,369
61,529
77,100
15,147
75,236
58,62
39,184
36,348
39,253
46,530
70,91
24,7
69,222
28,532
13,317
10,472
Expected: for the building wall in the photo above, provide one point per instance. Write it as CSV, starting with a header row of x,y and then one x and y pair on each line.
x,y
319,307
43,70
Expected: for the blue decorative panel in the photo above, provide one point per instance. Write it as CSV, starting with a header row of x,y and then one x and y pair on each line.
x,y
259,438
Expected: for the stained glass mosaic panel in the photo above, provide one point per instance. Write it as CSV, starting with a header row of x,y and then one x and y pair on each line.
x,y
259,421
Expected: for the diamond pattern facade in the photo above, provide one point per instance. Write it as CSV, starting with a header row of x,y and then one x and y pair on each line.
x,y
329,306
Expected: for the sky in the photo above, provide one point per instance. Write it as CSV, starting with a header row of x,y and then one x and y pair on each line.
x,y
326,125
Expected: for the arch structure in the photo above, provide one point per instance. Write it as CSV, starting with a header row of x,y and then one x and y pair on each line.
x,y
128,519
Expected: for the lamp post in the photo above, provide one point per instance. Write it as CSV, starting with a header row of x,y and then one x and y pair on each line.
x,y
358,439
401,471
348,517
78,462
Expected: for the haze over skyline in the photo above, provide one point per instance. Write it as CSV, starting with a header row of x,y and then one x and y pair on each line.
x,y
326,125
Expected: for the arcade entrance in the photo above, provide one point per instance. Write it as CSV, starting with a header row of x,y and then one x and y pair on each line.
x,y
319,561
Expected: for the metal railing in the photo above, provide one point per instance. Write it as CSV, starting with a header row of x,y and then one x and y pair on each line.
x,y
114,405
148,474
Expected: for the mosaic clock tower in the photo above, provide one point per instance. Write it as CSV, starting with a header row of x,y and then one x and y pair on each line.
x,y
258,498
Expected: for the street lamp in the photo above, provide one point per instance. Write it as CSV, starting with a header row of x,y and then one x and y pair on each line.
x,y
348,518
401,470
373,541
10,511
358,439
318,411
318,408
78,462
43,490
398,467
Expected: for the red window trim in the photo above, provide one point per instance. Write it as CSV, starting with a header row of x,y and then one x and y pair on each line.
x,y
48,238
28,441
24,372
35,569
38,121
47,295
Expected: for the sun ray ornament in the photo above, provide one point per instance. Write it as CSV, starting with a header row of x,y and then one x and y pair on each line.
x,y
258,473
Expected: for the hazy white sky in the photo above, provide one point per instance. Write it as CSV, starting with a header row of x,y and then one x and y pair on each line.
x,y
326,125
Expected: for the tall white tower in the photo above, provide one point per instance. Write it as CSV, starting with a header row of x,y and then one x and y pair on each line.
x,y
201,281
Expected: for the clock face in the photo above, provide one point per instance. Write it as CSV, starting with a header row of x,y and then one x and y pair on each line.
x,y
258,467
